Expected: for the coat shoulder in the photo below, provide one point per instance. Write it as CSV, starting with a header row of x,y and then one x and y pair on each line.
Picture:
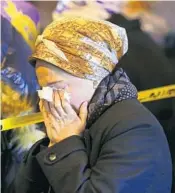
x,y
124,116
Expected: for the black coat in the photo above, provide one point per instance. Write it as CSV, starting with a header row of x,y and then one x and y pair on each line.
x,y
124,151
148,67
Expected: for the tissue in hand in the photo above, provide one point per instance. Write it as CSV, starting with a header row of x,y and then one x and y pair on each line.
x,y
47,94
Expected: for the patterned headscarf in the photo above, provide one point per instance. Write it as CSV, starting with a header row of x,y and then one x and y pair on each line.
x,y
86,48
89,49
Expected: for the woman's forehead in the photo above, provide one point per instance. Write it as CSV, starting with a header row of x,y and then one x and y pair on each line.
x,y
50,67
41,63
48,73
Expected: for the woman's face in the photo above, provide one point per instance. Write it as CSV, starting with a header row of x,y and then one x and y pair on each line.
x,y
80,89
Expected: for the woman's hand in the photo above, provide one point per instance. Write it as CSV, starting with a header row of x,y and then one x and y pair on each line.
x,y
60,119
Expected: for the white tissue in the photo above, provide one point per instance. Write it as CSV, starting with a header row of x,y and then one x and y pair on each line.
x,y
47,94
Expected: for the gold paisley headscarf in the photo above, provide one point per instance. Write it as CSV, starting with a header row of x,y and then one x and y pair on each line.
x,y
86,48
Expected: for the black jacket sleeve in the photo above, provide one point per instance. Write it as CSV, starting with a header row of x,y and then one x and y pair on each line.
x,y
124,163
30,178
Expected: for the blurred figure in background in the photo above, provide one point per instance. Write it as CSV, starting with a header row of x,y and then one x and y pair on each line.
x,y
151,23
169,43
20,23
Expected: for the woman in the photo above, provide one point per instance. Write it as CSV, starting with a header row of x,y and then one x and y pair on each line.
x,y
103,140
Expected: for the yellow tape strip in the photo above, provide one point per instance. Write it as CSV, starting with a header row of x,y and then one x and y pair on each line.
x,y
157,93
143,96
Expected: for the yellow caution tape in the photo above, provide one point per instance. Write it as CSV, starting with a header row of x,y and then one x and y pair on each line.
x,y
16,122
143,96
157,93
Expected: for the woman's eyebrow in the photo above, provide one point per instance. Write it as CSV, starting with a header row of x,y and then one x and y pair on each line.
x,y
60,84
43,81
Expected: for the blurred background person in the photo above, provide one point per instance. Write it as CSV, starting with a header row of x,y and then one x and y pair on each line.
x,y
20,27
